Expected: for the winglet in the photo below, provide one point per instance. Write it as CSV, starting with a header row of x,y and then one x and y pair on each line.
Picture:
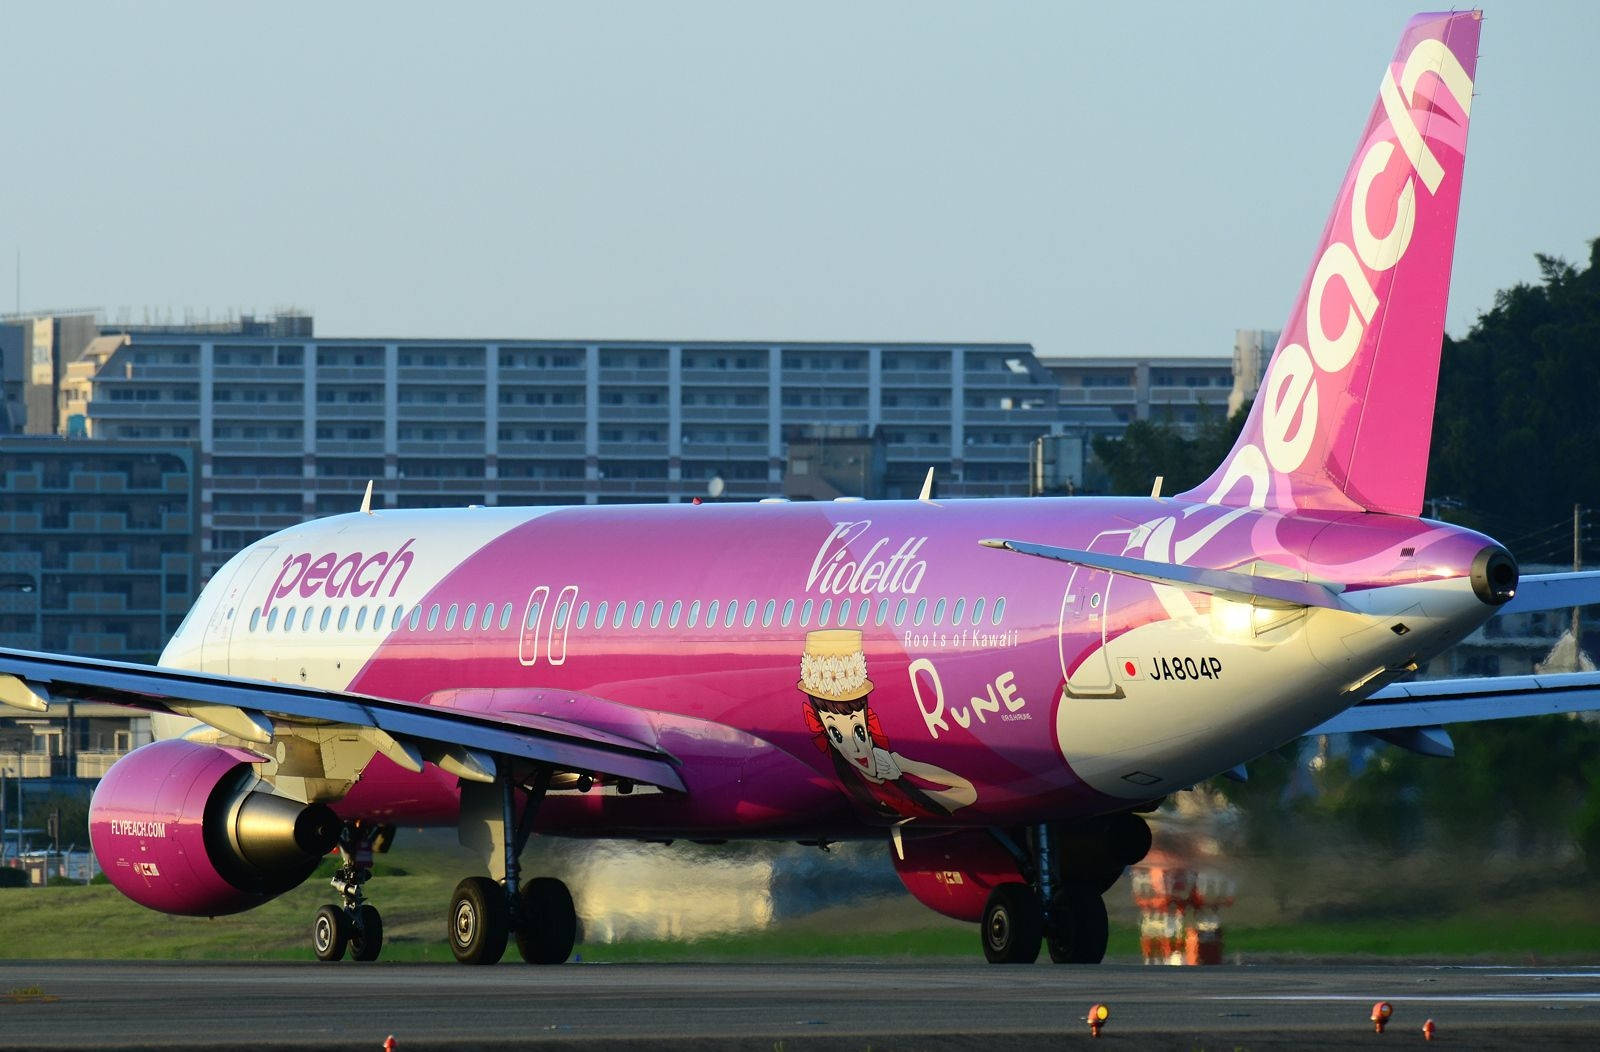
x,y
366,500
927,487
19,695
1155,488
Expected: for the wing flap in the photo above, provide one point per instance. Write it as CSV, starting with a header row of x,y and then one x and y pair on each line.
x,y
253,703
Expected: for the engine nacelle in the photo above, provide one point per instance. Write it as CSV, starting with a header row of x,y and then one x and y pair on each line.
x,y
180,827
953,873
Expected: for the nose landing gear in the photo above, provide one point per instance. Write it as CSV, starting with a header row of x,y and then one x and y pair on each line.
x,y
352,923
485,914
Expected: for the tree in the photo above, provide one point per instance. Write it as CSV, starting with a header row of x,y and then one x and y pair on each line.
x,y
1515,431
1149,448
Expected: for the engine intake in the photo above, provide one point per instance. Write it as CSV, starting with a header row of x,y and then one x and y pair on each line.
x,y
181,828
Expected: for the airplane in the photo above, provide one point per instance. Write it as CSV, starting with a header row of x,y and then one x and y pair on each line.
x,y
1000,689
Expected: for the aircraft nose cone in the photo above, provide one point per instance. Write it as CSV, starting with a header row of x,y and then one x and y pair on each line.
x,y
1494,575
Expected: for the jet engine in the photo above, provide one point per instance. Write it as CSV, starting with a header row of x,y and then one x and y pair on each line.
x,y
954,873
182,828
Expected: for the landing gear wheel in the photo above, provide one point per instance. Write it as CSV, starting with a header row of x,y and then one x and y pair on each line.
x,y
366,934
330,932
478,921
1013,925
549,923
1078,930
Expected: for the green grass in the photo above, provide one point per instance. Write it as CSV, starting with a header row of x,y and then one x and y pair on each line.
x,y
1514,923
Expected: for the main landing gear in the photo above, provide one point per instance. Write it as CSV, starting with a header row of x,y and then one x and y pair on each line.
x,y
352,924
486,914
1059,904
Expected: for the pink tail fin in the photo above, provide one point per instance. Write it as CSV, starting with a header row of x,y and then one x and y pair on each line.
x,y
1345,410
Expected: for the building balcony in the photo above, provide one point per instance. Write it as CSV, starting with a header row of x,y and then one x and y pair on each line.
x,y
1189,395
523,412
430,448
278,446
178,412
565,450
632,376
804,378
429,376
1096,396
512,374
326,374
916,378
467,412
652,413
245,412
331,447
753,378
724,414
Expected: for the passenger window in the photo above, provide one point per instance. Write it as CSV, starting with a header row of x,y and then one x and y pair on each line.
x,y
733,612
488,617
377,618
600,613
863,612
900,612
288,619
788,612
711,612
622,611
957,610
505,616
999,610
449,617
922,609
533,615
272,619
416,616
638,614
767,612
255,618
655,614
694,614
977,611
361,618
805,614
677,612
822,614
750,613
466,618
399,612
344,617
583,615
883,612
561,614
433,617
938,612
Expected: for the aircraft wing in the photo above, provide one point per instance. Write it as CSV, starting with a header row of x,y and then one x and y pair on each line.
x,y
1552,591
1227,583
461,741
1412,715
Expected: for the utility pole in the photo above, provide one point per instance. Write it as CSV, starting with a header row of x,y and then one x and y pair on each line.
x,y
1577,564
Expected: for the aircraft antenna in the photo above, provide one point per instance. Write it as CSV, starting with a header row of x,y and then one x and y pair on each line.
x,y
927,487
366,500
1155,489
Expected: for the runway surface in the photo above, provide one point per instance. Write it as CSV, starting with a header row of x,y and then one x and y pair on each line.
x,y
831,1005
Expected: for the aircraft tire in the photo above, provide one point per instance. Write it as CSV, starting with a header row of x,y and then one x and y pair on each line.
x,y
1013,925
550,924
330,932
366,933
1078,928
478,921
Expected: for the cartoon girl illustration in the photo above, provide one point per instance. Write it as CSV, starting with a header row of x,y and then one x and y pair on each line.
x,y
833,675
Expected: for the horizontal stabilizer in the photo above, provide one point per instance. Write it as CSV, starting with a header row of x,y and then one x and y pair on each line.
x,y
1552,591
1434,703
1226,583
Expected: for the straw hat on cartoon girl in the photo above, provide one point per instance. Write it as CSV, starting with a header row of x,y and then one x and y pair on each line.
x,y
833,676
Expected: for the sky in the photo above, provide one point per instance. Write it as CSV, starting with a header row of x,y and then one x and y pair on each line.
x,y
1093,179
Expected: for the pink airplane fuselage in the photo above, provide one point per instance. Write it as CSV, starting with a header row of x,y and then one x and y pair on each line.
x,y
1004,689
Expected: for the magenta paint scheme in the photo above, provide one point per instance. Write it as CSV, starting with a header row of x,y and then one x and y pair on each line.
x,y
998,690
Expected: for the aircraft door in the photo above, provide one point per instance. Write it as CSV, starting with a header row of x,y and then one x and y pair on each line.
x,y
1085,668
226,614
